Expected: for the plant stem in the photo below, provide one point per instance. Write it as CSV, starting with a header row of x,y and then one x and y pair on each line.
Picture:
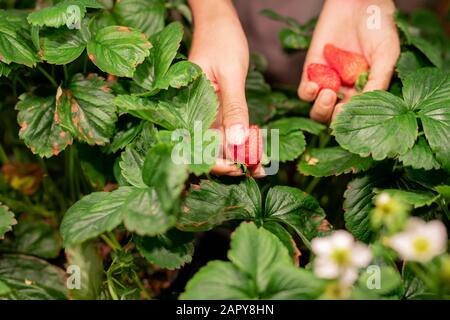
x,y
108,242
20,206
66,73
48,76
422,276
141,286
312,185
111,290
444,208
3,157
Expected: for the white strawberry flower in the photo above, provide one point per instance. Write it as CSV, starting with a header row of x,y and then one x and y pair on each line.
x,y
339,256
420,241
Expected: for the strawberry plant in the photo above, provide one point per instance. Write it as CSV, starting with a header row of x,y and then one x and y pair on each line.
x,y
106,149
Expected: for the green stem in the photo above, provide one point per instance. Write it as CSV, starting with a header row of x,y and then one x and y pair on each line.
x,y
312,185
141,286
66,73
3,157
444,208
48,76
422,276
20,206
109,242
111,290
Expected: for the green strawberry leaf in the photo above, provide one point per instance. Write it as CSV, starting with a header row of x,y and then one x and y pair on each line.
x,y
293,207
210,204
161,114
408,63
376,123
145,15
40,128
165,46
86,109
415,198
285,237
427,91
61,13
260,268
358,204
124,137
424,32
118,50
218,280
5,70
292,40
169,251
163,174
420,156
61,46
7,220
87,257
179,75
291,141
34,237
30,278
390,281
444,191
332,161
145,215
93,215
16,45
132,158
195,104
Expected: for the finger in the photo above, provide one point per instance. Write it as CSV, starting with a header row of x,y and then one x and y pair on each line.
x,y
225,167
381,70
337,109
234,109
308,90
324,106
258,172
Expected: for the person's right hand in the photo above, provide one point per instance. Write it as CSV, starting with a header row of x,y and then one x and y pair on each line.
x,y
220,48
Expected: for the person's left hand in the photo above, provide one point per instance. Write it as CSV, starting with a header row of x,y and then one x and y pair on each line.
x,y
343,23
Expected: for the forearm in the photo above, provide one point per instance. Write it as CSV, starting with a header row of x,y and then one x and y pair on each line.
x,y
206,11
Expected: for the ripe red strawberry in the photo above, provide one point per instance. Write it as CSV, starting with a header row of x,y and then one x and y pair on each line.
x,y
349,65
250,152
324,76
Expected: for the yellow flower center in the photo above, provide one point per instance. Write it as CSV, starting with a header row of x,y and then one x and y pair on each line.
x,y
341,256
421,245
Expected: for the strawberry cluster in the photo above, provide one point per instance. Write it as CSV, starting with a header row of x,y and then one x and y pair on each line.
x,y
344,68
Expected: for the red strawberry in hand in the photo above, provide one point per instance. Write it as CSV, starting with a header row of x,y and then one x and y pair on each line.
x,y
324,76
349,65
250,152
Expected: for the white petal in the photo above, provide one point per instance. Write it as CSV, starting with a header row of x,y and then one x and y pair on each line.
x,y
342,239
402,243
348,276
436,232
322,246
325,268
361,255
414,224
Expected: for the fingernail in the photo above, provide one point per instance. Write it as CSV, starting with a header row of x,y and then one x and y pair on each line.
x,y
327,98
236,134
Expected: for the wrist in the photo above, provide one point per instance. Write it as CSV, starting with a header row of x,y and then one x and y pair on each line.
x,y
206,12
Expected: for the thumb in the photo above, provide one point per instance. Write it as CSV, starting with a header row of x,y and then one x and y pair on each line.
x,y
234,109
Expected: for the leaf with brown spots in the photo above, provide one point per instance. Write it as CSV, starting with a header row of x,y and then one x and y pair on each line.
x,y
118,50
86,110
40,128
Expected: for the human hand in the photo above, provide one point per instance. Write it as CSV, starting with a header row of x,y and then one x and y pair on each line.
x,y
343,23
220,48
